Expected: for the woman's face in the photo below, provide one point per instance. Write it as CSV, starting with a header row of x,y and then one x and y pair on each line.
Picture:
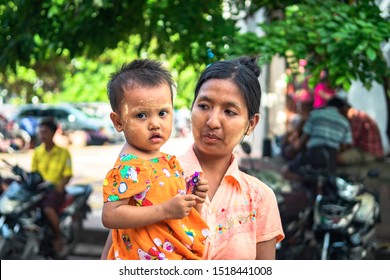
x,y
220,118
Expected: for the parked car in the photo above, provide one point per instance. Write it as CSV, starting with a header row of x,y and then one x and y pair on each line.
x,y
72,120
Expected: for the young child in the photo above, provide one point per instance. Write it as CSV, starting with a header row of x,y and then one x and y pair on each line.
x,y
145,200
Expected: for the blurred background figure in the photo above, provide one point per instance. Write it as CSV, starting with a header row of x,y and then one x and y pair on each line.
x,y
323,91
367,145
325,132
54,164
182,122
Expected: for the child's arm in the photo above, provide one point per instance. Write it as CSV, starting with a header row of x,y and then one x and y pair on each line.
x,y
118,214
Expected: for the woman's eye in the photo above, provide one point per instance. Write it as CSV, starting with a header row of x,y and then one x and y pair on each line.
x,y
141,116
202,106
230,112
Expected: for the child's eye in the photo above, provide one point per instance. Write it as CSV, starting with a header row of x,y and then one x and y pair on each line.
x,y
163,113
141,116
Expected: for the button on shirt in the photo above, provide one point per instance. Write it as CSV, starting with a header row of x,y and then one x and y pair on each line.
x,y
242,213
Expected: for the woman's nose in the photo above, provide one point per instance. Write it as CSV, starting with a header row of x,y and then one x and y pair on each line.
x,y
214,120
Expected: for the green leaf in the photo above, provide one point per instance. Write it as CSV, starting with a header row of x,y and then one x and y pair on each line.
x,y
371,54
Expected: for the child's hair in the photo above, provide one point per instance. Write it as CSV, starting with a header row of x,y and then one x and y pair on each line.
x,y
140,72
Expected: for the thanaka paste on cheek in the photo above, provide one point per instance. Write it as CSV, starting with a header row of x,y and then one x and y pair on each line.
x,y
128,128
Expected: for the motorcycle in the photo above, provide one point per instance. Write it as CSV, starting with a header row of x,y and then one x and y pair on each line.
x,y
25,232
12,137
294,207
344,217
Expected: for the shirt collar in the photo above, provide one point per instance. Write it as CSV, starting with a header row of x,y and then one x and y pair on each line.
x,y
52,151
233,175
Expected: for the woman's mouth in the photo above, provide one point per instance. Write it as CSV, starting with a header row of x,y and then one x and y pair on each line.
x,y
211,138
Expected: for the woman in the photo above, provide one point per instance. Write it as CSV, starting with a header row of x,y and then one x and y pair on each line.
x,y
240,210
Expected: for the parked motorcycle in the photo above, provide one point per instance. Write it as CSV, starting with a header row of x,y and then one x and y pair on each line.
x,y
294,207
345,216
12,137
25,232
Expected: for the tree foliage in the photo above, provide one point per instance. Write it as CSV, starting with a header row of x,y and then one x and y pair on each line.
x,y
36,30
47,35
66,49
342,37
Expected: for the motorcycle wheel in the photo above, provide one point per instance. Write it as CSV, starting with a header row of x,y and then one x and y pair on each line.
x,y
71,228
31,247
5,249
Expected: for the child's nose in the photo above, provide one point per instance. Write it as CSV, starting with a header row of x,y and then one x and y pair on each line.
x,y
154,123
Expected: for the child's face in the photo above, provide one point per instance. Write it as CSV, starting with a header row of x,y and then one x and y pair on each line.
x,y
145,118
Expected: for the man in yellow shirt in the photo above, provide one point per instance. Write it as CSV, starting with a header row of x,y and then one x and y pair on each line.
x,y
55,165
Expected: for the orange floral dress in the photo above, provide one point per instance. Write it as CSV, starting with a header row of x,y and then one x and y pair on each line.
x,y
148,182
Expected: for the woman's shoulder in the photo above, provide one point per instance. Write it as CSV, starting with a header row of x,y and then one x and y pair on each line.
x,y
257,190
254,184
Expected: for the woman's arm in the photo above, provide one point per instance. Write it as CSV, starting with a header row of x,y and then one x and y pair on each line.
x,y
266,250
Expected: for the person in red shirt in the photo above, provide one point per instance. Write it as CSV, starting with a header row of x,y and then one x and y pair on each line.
x,y
367,143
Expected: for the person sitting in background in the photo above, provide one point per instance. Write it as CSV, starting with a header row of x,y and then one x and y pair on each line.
x,y
367,144
290,140
55,166
325,133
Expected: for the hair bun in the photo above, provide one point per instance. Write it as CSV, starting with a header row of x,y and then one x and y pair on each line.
x,y
251,63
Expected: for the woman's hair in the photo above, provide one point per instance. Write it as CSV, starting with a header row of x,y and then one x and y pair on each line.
x,y
140,72
244,72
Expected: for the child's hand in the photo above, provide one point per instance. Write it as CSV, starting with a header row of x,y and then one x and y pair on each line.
x,y
179,206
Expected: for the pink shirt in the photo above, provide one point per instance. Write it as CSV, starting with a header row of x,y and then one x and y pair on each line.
x,y
319,101
242,213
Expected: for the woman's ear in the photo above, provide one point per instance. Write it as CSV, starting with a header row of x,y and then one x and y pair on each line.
x,y
252,124
116,121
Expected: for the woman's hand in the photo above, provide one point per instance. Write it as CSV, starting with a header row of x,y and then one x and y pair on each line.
x,y
201,190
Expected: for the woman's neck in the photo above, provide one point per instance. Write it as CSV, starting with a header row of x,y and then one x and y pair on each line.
x,y
214,169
